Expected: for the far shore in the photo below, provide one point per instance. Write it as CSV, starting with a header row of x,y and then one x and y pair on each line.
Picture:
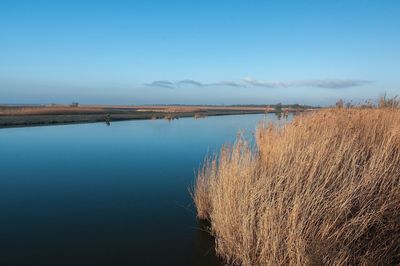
x,y
24,116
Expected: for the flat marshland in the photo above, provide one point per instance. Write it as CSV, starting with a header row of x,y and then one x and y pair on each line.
x,y
323,189
16,116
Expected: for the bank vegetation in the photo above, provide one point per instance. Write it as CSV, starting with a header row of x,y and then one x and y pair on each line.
x,y
323,189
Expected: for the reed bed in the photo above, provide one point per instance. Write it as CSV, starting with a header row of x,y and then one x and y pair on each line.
x,y
322,190
51,110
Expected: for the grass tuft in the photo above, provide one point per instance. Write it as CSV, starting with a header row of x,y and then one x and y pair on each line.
x,y
321,190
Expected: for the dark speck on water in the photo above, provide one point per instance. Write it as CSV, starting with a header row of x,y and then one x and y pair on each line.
x,y
92,194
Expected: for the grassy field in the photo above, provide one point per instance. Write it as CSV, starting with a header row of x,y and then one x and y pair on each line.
x,y
66,109
322,190
64,114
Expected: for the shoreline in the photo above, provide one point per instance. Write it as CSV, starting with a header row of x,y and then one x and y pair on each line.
x,y
17,121
29,116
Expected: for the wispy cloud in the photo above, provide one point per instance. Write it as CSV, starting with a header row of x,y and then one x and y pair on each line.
x,y
250,82
176,84
321,83
190,82
162,84
230,84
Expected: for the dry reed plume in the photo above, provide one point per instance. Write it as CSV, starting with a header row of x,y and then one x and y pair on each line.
x,y
321,190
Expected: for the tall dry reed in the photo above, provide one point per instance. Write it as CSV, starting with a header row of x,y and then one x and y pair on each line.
x,y
321,190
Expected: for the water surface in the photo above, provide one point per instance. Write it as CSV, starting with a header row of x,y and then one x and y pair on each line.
x,y
93,194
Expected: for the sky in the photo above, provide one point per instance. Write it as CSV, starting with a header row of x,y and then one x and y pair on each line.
x,y
198,51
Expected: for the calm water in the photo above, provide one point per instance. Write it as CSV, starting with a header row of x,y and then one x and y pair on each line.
x,y
93,194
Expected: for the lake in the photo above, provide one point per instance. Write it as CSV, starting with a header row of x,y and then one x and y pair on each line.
x,y
92,194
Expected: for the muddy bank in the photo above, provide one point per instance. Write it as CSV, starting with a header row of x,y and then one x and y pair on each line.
x,y
107,117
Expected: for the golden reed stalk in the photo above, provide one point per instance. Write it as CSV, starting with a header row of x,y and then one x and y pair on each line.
x,y
321,190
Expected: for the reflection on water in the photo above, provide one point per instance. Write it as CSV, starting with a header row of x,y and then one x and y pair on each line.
x,y
204,246
93,194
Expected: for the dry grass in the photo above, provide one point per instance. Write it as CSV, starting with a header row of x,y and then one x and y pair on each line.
x,y
64,109
322,190
196,108
49,110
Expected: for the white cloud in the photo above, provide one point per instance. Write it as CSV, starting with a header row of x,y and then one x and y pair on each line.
x,y
250,82
321,83
162,84
190,82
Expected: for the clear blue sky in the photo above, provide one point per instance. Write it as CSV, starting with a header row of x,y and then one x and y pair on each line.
x,y
209,52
